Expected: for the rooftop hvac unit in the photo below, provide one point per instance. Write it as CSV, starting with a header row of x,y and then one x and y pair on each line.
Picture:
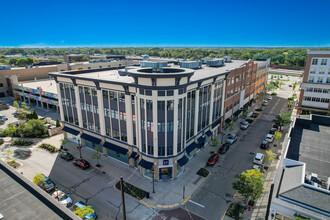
x,y
191,64
215,62
204,60
227,59
156,66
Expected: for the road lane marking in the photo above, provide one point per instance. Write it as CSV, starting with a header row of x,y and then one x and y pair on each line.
x,y
111,182
196,203
90,171
223,215
186,200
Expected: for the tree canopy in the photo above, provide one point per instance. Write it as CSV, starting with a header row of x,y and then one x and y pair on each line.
x,y
283,119
249,184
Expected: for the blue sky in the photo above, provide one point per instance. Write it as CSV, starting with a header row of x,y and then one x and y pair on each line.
x,y
165,23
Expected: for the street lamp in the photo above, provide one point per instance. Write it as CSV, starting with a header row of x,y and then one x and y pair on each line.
x,y
79,148
153,180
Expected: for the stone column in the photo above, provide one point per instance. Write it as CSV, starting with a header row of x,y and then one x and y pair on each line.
x,y
223,97
211,104
59,96
155,121
78,105
101,110
129,120
196,112
175,122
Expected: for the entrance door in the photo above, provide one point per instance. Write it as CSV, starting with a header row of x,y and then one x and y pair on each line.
x,y
165,173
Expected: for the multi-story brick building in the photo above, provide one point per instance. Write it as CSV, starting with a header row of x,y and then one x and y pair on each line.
x,y
315,88
152,118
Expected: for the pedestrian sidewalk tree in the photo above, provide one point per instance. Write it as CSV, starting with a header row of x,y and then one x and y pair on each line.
x,y
244,113
269,157
24,106
16,105
249,184
58,124
38,178
294,85
232,126
282,120
83,211
215,142
97,155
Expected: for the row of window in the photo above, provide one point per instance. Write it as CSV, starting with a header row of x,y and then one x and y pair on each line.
x,y
319,79
316,99
319,90
114,96
321,71
315,61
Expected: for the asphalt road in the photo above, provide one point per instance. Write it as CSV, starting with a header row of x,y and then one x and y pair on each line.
x,y
97,190
216,193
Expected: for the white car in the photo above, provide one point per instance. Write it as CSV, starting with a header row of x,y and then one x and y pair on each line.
x,y
244,125
62,198
265,103
231,138
269,138
258,159
269,97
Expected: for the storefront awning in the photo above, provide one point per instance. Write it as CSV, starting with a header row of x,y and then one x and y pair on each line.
x,y
116,148
208,133
191,147
91,138
134,155
237,112
70,130
146,164
183,160
228,120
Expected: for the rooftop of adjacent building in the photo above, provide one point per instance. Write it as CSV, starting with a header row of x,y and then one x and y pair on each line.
x,y
47,85
309,144
113,75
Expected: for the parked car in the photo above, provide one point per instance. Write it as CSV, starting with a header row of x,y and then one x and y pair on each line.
x,y
264,145
270,97
63,198
83,164
272,131
269,138
66,156
290,85
23,152
223,149
3,118
80,205
265,103
213,159
46,184
231,138
258,159
244,125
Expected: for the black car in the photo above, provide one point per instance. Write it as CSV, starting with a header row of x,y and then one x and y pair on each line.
x,y
223,149
264,145
66,156
272,131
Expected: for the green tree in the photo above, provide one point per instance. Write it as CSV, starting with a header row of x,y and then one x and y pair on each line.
x,y
16,105
84,59
96,155
294,86
3,61
32,128
8,153
38,178
277,136
13,61
83,211
10,130
269,157
34,115
58,124
24,106
282,120
244,113
232,126
249,184
215,142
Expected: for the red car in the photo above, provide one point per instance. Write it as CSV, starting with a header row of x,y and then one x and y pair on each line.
x,y
213,159
83,164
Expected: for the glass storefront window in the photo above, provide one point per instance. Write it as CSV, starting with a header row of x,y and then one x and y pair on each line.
x,y
148,173
179,170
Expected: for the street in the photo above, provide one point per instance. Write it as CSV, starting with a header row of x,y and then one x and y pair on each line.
x,y
216,192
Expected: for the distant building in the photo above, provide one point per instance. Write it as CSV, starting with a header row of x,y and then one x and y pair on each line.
x,y
70,58
315,87
302,183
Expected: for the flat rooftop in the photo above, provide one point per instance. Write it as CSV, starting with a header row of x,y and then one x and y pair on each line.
x,y
48,85
309,143
18,203
204,72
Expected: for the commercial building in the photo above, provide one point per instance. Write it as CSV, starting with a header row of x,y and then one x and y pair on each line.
x,y
315,88
154,119
302,183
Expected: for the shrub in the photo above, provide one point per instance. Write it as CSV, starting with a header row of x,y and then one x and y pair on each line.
x,y
58,124
12,163
33,128
133,190
1,141
259,110
235,210
20,142
290,98
274,93
49,147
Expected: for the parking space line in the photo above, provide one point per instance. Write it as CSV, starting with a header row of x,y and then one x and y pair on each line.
x,y
90,171
200,205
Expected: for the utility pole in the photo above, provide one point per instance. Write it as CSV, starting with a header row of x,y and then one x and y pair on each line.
x,y
183,192
153,180
79,148
122,197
